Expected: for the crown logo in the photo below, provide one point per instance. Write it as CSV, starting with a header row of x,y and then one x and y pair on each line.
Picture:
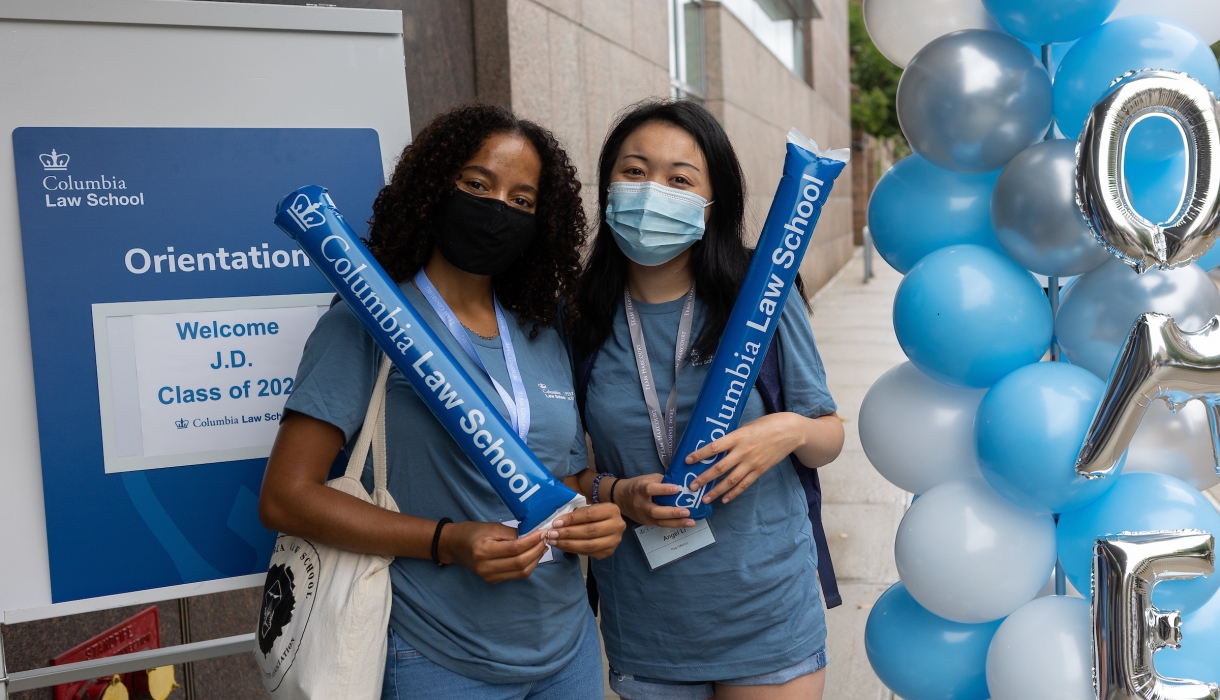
x,y
181,423
306,213
54,161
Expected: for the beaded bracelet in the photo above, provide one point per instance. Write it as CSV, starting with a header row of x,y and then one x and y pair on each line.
x,y
597,482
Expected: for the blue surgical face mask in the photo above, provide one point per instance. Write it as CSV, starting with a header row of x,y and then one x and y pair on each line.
x,y
653,223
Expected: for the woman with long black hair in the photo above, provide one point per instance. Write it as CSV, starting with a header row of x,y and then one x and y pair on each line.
x,y
743,617
481,225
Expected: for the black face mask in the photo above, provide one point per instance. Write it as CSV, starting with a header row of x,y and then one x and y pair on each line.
x,y
483,235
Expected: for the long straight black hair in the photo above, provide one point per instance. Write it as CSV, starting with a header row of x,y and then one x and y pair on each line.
x,y
718,262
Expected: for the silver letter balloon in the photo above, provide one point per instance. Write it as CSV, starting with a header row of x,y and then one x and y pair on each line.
x,y
1158,361
1127,629
1101,183
971,100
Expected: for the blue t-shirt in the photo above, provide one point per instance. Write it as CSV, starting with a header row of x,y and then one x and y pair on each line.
x,y
511,632
748,604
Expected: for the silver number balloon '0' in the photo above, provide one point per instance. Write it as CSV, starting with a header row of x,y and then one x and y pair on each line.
x,y
1158,361
1101,186
1127,629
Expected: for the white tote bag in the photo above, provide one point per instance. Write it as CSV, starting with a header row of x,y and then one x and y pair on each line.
x,y
322,626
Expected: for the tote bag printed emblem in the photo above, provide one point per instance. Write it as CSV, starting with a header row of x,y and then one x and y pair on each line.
x,y
288,597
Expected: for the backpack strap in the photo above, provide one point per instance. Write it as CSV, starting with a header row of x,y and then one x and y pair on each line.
x,y
771,390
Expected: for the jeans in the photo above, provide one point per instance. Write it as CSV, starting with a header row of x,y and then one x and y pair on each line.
x,y
409,675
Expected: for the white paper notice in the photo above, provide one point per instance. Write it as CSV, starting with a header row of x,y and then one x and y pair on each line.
x,y
216,380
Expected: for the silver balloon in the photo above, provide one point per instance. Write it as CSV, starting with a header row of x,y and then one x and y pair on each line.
x,y
1176,444
1127,629
1100,307
1035,215
1158,361
1104,196
972,100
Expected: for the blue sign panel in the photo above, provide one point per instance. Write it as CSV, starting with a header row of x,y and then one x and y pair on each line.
x,y
167,315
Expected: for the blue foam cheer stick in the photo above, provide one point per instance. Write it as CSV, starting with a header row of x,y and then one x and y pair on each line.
x,y
530,491
809,175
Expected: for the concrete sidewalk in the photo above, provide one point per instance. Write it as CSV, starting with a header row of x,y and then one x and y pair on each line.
x,y
853,326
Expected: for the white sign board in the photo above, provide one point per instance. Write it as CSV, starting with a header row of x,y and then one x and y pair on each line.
x,y
167,63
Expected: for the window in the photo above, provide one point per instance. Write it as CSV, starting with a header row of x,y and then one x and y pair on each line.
x,y
783,27
686,50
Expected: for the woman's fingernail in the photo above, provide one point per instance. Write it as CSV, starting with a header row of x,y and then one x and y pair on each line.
x,y
685,513
707,499
558,523
552,535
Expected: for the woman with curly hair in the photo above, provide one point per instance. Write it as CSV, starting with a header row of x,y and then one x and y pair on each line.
x,y
481,225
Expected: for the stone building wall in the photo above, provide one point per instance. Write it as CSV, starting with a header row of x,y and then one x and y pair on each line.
x,y
758,100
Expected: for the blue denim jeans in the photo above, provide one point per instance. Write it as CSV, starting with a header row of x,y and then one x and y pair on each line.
x,y
637,688
409,675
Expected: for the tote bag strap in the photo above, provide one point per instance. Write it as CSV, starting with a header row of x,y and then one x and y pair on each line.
x,y
373,432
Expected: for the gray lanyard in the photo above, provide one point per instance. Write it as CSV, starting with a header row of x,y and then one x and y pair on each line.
x,y
662,432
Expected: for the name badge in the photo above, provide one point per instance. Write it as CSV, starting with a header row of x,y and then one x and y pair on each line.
x,y
550,553
663,545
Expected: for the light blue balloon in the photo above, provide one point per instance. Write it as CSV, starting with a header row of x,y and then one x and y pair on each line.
x,y
1154,164
920,656
1029,429
1124,44
966,315
917,208
1139,502
1049,21
1199,657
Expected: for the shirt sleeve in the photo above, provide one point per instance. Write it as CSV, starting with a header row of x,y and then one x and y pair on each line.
x,y
578,457
800,366
338,369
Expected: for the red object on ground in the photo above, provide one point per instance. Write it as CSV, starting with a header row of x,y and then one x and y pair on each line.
x,y
137,633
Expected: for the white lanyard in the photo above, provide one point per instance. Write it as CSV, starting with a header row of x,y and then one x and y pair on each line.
x,y
519,409
662,426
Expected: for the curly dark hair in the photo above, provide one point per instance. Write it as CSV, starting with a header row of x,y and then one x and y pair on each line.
x,y
406,212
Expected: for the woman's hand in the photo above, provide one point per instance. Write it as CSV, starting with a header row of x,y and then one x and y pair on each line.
x,y
634,497
593,530
491,550
760,444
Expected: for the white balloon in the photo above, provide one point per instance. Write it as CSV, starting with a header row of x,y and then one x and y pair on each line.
x,y
1042,651
1202,16
917,432
1179,445
900,28
970,556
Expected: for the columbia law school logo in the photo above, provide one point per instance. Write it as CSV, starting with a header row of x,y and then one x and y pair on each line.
x,y
180,423
306,213
54,161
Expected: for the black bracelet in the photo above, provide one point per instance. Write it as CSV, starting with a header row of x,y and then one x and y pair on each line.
x,y
612,487
436,540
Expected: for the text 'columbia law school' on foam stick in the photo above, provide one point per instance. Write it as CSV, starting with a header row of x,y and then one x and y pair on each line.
x,y
534,496
809,174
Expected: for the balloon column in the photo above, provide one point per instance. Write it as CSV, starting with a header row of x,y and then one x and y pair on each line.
x,y
986,420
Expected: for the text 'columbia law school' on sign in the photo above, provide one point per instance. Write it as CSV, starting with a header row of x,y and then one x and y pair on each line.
x,y
167,319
